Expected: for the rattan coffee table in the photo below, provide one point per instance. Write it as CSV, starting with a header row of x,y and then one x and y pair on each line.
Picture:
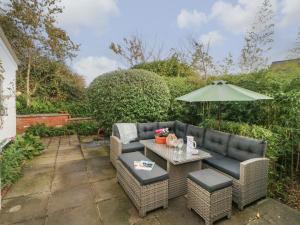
x,y
177,165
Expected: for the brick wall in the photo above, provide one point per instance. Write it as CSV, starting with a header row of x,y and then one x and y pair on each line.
x,y
55,120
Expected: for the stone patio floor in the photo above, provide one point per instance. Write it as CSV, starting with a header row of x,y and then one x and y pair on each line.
x,y
73,183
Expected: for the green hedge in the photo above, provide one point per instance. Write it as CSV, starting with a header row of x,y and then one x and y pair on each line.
x,y
128,96
281,150
12,157
37,106
168,68
80,128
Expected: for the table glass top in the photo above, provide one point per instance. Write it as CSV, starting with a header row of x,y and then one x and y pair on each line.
x,y
172,154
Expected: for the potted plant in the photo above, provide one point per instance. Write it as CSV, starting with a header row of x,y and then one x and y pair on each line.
x,y
161,135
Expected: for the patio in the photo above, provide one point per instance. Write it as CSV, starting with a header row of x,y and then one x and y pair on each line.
x,y
74,183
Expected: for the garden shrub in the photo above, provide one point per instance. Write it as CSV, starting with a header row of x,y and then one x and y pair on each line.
x,y
168,68
80,128
179,110
37,106
12,157
128,96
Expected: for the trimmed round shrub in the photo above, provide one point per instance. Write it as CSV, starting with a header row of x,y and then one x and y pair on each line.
x,y
128,96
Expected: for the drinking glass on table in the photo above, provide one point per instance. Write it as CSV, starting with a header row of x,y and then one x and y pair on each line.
x,y
180,144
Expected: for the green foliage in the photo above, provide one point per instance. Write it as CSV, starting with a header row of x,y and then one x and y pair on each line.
x,y
128,96
168,68
12,157
51,80
74,108
46,131
281,150
81,128
178,110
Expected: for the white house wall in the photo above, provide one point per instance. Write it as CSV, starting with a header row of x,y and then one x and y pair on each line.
x,y
8,129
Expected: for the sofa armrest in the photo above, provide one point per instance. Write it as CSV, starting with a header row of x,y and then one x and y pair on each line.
x,y
115,149
115,145
254,170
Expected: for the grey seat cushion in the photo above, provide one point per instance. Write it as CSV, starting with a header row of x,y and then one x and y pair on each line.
x,y
170,125
216,141
197,133
180,130
147,130
243,148
143,176
133,147
210,180
225,164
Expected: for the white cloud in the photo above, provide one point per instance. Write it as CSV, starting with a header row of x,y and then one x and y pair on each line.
x,y
87,13
237,17
190,18
290,10
212,38
93,66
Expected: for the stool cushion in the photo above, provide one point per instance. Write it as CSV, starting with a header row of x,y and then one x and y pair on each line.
x,y
143,176
210,180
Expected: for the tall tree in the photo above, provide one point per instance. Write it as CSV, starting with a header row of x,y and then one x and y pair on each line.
x,y
226,67
40,36
295,51
201,60
135,51
258,40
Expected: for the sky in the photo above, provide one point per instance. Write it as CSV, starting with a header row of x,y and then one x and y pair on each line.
x,y
167,24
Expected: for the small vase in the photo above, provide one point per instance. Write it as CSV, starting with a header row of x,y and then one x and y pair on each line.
x,y
160,140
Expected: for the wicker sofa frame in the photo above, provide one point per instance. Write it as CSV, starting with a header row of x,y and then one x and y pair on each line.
x,y
210,206
252,184
145,197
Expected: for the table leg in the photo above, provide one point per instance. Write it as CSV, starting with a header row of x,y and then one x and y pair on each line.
x,y
178,177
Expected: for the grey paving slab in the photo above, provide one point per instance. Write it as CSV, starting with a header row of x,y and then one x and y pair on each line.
x,y
65,181
24,208
97,162
92,152
107,189
116,211
86,214
69,198
28,185
70,166
101,173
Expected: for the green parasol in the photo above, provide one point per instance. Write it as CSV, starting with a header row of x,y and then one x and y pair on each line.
x,y
220,91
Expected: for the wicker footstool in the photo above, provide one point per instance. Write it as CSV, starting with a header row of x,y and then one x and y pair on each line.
x,y
210,194
147,190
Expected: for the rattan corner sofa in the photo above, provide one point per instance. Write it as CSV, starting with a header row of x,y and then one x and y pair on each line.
x,y
240,158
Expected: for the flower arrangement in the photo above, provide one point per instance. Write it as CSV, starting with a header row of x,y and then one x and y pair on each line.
x,y
164,132
161,135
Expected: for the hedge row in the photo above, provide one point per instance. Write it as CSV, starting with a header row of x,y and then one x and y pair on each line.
x,y
80,128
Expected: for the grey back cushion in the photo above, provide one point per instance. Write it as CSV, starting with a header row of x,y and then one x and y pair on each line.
x,y
197,133
243,148
170,125
147,130
115,131
216,141
180,130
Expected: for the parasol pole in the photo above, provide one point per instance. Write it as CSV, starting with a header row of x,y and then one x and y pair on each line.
x,y
219,115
